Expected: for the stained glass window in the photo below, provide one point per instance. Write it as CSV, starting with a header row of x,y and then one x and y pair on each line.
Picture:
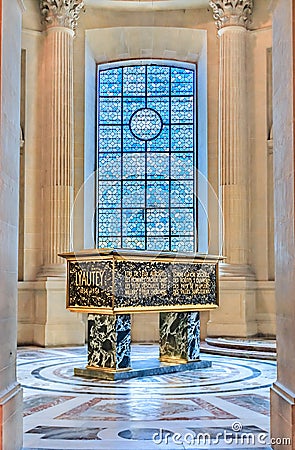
x,y
146,157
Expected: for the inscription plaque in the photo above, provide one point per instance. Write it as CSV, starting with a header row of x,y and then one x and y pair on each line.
x,y
107,281
90,284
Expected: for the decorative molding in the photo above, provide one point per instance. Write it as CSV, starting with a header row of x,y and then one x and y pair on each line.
x,y
35,33
232,12
60,13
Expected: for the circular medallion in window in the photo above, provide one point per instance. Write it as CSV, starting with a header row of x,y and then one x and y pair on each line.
x,y
146,124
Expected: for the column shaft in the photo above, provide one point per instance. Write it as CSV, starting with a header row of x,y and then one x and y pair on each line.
x,y
58,144
237,290
233,143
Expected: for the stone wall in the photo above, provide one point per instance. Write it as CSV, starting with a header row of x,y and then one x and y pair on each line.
x,y
10,390
283,391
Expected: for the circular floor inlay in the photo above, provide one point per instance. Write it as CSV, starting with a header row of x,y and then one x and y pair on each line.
x,y
226,375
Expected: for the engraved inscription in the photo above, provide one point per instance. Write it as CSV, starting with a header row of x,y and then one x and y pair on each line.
x,y
191,283
90,284
142,283
134,284
93,279
154,284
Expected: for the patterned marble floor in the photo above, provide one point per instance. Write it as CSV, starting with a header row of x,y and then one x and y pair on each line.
x,y
225,406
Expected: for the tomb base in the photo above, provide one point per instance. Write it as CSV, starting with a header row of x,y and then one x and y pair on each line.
x,y
144,368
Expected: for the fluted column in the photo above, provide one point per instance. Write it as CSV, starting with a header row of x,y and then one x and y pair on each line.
x,y
232,18
59,18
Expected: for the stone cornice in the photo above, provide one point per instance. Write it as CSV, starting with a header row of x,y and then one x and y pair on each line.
x,y
60,13
232,12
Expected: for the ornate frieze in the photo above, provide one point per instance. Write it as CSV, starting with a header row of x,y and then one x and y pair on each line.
x,y
61,13
232,12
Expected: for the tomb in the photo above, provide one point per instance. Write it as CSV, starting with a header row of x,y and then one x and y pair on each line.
x,y
111,284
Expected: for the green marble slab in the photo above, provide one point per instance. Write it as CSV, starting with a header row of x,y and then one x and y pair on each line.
x,y
141,369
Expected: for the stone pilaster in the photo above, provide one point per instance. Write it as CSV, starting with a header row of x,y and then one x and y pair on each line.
x,y
283,390
59,18
232,19
11,408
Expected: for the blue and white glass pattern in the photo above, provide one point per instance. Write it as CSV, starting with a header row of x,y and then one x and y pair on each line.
x,y
157,165
146,124
133,222
157,194
161,143
182,193
133,194
134,166
109,194
146,157
110,166
109,138
182,166
182,137
109,223
182,221
157,222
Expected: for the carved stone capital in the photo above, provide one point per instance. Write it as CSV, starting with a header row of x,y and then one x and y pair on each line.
x,y
232,12
60,13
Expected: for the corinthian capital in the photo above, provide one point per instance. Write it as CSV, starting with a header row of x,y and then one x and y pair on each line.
x,y
232,12
61,13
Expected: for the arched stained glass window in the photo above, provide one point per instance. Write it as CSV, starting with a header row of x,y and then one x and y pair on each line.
x,y
146,157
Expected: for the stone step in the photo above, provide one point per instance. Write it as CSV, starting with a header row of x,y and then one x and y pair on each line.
x,y
239,347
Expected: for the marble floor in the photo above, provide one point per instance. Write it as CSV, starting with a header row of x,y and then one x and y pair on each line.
x,y
225,406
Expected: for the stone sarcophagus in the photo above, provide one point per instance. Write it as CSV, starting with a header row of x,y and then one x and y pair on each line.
x,y
108,281
111,284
